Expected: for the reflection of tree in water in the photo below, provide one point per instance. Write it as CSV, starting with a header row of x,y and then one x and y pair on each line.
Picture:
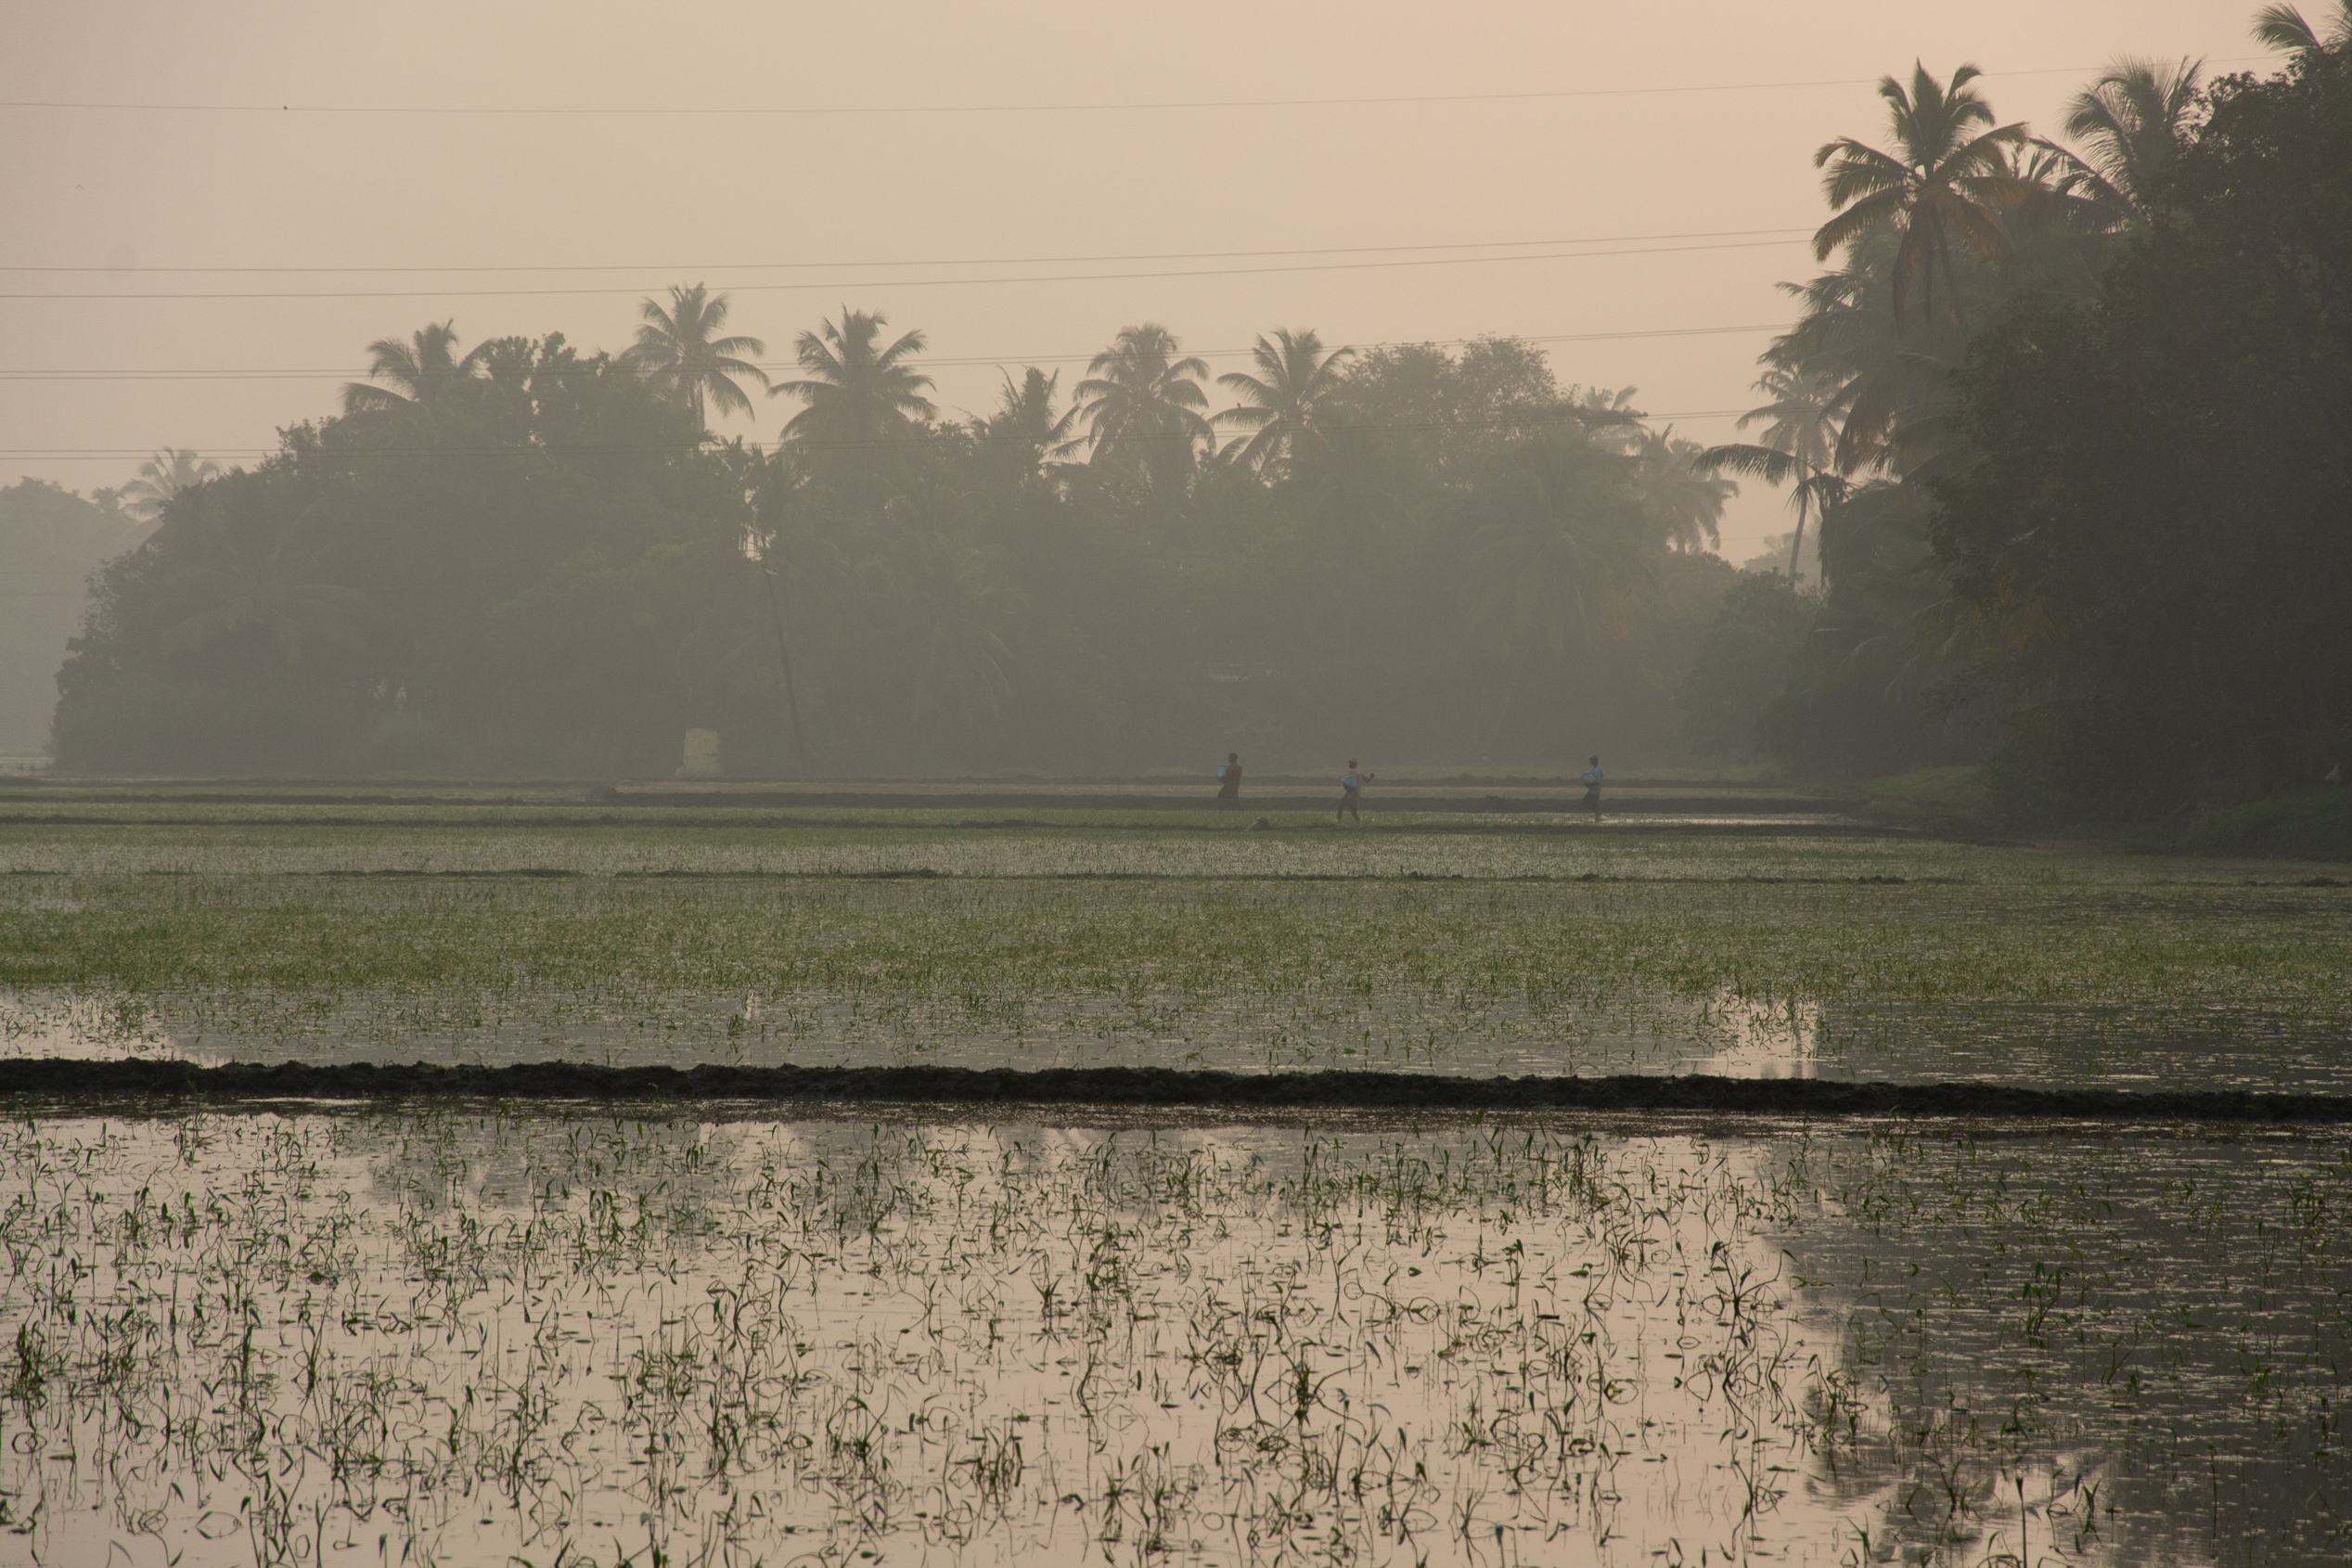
x,y
2151,1331
495,1161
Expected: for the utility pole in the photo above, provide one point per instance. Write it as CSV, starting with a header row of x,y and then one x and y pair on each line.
x,y
783,659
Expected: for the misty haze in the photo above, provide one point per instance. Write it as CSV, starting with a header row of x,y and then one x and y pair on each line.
x,y
1494,785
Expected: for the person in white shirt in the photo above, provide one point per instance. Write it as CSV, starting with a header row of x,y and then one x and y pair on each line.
x,y
1352,794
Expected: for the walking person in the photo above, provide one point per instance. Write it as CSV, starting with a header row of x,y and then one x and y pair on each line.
x,y
1592,788
1352,795
1229,778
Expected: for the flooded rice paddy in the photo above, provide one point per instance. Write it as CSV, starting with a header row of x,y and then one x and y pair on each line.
x,y
474,1336
550,1337
1514,950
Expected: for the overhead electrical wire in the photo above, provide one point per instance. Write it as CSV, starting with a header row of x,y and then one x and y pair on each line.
x,y
945,260
641,111
958,362
833,285
362,453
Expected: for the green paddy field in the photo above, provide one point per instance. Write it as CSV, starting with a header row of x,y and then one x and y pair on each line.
x,y
586,1334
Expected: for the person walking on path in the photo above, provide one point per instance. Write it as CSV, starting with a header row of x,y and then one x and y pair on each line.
x,y
1229,778
1592,788
1352,794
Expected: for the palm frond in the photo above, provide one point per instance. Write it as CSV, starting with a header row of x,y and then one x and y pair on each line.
x,y
2283,27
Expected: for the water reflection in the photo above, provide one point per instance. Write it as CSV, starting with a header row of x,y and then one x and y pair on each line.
x,y
469,1337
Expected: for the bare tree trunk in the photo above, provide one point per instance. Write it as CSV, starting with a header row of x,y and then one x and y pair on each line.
x,y
1951,280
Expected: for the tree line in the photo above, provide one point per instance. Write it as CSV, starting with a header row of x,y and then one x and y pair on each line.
x,y
2063,421
521,557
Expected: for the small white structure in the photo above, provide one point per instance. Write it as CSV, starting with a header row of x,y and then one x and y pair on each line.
x,y
702,754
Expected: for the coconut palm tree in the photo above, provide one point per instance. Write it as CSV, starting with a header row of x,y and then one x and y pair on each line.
x,y
861,395
2129,122
1610,416
163,476
857,392
1143,406
1889,395
1279,405
422,372
1799,444
1025,427
1684,499
678,349
1940,184
2283,27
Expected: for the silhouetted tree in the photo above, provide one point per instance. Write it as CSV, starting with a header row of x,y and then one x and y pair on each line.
x,y
1141,405
162,477
1800,434
679,349
861,394
420,374
1940,184
1297,376
2283,27
2130,123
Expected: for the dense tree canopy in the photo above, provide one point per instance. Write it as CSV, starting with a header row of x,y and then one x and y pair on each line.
x,y
520,557
2155,533
2080,484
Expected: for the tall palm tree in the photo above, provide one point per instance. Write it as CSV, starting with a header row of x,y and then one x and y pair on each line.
x,y
422,372
678,349
1279,405
1610,416
2283,27
1799,444
1025,426
857,392
2130,123
163,476
1890,395
1940,184
1683,497
1142,406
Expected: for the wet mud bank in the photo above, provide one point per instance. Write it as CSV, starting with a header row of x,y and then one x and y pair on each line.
x,y
56,1078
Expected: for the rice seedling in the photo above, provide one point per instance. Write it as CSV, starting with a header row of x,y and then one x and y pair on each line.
x,y
1877,959
474,1334
470,1336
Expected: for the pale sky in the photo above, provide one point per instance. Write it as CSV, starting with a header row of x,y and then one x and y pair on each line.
x,y
959,167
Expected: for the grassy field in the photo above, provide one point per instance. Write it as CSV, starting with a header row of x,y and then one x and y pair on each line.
x,y
478,932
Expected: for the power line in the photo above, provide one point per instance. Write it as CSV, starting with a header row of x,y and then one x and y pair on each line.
x,y
956,261
1150,105
963,361
363,454
838,284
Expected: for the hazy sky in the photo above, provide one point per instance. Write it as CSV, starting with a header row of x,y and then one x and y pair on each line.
x,y
961,168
